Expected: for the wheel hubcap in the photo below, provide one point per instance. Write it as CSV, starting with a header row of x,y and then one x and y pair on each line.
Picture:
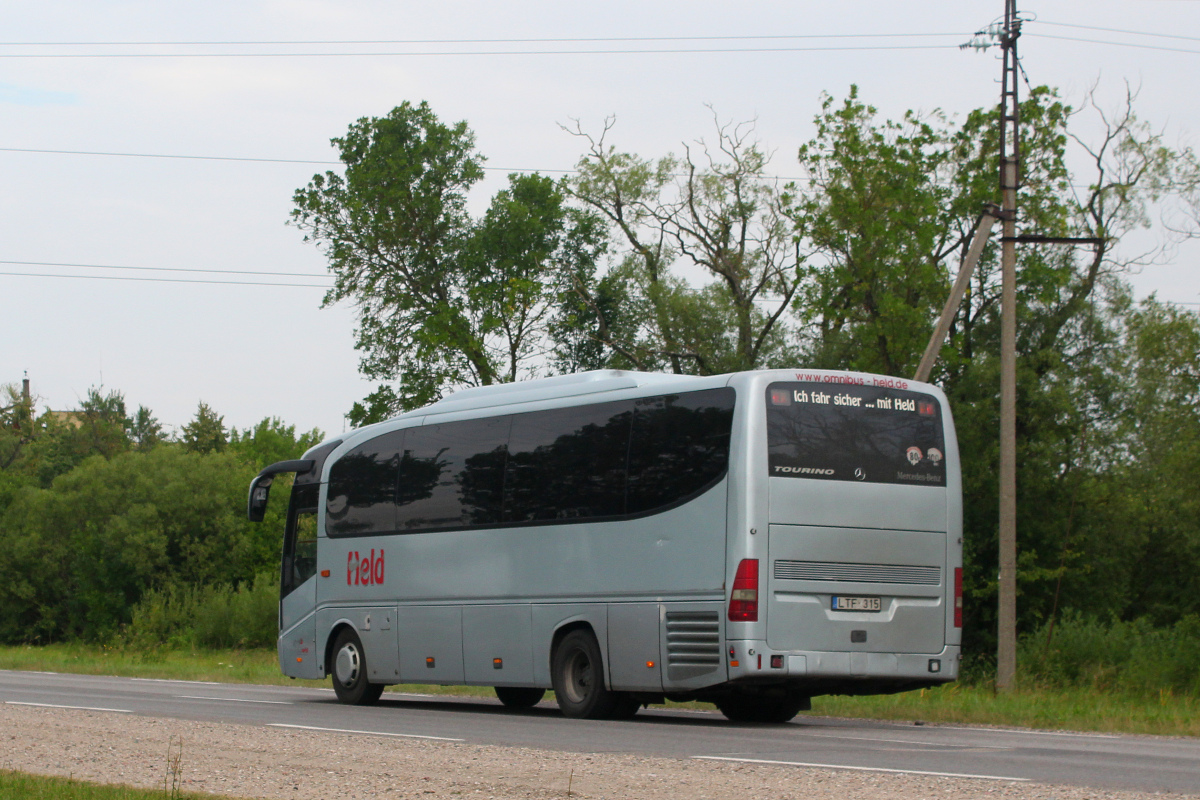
x,y
580,672
347,665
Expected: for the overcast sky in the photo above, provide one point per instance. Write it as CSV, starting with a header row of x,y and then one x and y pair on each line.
x,y
254,351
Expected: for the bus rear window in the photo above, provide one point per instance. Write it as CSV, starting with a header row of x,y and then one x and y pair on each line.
x,y
855,433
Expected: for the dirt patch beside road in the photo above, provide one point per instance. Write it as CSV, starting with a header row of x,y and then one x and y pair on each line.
x,y
261,762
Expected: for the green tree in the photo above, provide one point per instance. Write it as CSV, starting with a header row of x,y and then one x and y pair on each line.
x,y
17,423
63,440
18,430
271,441
145,431
206,432
1142,540
880,218
443,300
713,210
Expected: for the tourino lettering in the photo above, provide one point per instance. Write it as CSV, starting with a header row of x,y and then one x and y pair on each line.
x,y
804,471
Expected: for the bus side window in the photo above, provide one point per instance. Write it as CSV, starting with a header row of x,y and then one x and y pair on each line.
x,y
362,488
452,474
304,560
679,447
567,463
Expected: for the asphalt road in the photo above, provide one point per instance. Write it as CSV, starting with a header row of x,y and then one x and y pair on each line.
x,y
1094,760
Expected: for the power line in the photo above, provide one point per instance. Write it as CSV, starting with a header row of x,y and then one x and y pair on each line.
x,y
797,179
161,280
1116,30
160,269
235,158
1115,44
163,155
569,39
655,51
256,283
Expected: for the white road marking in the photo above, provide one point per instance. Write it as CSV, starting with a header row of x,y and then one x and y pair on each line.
x,y
368,733
914,743
233,700
178,680
75,708
1032,733
862,769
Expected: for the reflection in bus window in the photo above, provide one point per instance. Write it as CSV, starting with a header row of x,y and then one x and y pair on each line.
x,y
468,458
568,463
362,487
680,446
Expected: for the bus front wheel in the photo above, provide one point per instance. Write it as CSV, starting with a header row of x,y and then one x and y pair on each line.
x,y
350,672
577,673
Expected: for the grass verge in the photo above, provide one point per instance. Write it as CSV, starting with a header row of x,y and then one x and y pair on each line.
x,y
1165,714
1034,707
23,786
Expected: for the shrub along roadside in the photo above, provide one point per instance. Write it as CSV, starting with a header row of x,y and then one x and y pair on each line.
x,y
1125,657
214,616
77,557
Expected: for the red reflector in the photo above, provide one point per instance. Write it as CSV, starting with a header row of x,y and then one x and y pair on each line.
x,y
743,600
958,597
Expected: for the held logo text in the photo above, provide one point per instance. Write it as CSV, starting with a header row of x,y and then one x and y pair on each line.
x,y
364,570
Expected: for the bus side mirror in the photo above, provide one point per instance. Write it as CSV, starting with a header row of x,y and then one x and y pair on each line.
x,y
260,487
260,491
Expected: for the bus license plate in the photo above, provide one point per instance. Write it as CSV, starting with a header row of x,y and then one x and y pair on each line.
x,y
850,603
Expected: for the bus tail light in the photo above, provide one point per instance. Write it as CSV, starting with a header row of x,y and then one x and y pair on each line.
x,y
743,601
958,597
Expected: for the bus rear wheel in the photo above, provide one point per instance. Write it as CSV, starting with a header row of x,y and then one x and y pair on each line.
x,y
775,709
577,673
519,697
350,682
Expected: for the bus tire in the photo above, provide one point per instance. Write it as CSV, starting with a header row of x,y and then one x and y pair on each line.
x,y
519,696
627,707
349,672
577,673
762,709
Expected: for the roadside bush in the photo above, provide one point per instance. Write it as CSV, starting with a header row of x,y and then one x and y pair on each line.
x,y
1133,657
77,557
206,616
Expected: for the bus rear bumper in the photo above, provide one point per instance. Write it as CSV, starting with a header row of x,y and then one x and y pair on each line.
x,y
753,661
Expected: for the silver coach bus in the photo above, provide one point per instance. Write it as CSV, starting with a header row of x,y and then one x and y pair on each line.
x,y
752,540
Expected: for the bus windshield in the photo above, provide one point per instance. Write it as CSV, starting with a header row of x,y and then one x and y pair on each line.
x,y
855,433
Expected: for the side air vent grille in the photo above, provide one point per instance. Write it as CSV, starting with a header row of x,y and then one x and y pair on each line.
x,y
858,573
693,642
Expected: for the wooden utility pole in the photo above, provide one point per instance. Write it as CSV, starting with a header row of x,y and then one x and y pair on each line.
x,y
1010,160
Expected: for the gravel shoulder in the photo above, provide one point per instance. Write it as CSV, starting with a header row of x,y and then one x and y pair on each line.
x,y
251,761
